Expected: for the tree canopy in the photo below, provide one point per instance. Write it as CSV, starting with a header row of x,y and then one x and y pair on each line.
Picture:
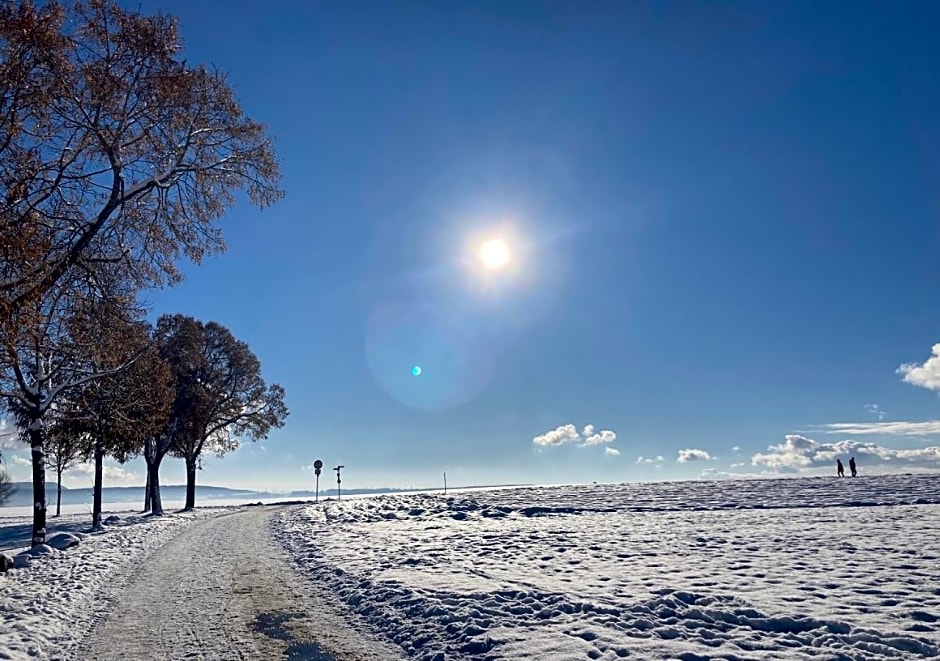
x,y
221,396
113,148
117,158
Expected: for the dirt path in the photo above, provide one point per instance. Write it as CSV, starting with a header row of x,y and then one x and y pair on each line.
x,y
222,590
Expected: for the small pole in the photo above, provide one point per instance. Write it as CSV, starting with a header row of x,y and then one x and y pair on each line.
x,y
445,483
317,465
339,494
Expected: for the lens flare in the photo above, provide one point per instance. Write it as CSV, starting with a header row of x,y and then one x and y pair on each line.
x,y
456,355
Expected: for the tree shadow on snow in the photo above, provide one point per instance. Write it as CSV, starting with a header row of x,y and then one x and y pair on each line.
x,y
18,535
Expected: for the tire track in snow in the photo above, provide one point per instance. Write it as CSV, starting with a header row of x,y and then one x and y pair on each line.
x,y
200,595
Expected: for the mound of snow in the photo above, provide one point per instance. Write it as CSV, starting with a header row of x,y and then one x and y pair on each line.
x,y
40,550
63,540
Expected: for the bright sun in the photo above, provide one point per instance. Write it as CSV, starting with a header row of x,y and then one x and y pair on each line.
x,y
494,254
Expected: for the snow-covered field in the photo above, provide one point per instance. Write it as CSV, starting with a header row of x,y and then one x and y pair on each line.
x,y
49,606
817,568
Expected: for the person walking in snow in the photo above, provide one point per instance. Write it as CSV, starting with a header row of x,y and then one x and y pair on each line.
x,y
852,467
840,469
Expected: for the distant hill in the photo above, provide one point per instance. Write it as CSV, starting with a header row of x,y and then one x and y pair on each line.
x,y
352,492
28,486
23,496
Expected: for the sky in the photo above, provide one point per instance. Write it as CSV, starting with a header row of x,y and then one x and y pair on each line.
x,y
722,223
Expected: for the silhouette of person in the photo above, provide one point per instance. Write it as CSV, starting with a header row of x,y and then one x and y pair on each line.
x,y
852,467
840,468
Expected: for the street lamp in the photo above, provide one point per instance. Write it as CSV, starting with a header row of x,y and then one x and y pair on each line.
x,y
339,495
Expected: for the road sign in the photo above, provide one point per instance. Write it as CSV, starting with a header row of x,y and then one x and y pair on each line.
x,y
317,466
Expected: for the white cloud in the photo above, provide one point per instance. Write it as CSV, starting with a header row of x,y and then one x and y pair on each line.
x,y
9,439
736,448
692,454
111,475
800,453
21,461
794,452
896,428
603,436
558,436
613,452
649,460
569,434
875,410
926,375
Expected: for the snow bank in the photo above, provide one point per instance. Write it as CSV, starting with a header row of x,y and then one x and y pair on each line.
x,y
47,607
802,568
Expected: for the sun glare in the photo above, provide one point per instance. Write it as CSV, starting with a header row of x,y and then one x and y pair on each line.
x,y
494,254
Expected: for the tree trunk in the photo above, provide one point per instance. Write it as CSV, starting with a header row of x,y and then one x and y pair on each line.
x,y
58,494
99,470
156,504
150,455
147,485
190,484
36,438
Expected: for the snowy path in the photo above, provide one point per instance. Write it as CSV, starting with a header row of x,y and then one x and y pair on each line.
x,y
204,593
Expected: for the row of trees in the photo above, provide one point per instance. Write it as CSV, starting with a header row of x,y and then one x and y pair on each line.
x,y
117,157
189,388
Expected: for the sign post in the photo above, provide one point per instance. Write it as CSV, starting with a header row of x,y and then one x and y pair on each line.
x,y
338,482
317,467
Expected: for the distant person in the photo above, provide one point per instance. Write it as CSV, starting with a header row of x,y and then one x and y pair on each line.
x,y
840,468
852,467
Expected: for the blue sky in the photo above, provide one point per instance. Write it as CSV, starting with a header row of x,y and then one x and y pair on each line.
x,y
723,223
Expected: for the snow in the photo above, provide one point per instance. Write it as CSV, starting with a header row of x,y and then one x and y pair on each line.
x,y
214,593
48,606
811,568
63,541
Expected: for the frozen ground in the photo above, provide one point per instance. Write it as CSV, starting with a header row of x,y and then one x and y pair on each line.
x,y
210,585
223,591
816,568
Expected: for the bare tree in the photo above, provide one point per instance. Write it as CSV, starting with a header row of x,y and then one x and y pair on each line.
x,y
112,147
63,449
6,487
178,339
116,413
116,157
220,394
47,361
